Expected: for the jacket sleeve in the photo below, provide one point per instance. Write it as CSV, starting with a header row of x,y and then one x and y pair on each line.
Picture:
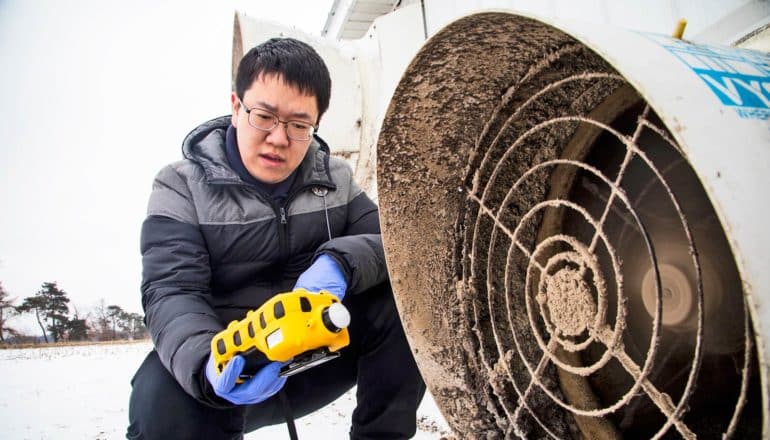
x,y
359,252
175,284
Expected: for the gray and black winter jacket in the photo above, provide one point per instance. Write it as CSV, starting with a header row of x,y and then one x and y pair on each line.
x,y
214,247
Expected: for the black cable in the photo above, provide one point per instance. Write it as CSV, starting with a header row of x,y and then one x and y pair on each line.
x,y
287,414
424,19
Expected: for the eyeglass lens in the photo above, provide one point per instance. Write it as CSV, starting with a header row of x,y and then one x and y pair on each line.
x,y
296,130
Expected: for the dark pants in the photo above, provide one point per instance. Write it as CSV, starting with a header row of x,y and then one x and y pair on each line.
x,y
378,360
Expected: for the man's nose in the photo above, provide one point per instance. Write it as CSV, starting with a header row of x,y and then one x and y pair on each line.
x,y
278,135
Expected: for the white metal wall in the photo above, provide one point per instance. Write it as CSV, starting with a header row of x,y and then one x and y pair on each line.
x,y
364,74
709,21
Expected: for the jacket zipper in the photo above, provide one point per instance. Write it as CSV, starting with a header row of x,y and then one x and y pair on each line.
x,y
283,226
283,240
283,235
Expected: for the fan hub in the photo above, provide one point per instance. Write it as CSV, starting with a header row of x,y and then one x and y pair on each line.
x,y
571,306
679,301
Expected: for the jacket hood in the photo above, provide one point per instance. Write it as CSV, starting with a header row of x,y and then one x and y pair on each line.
x,y
205,145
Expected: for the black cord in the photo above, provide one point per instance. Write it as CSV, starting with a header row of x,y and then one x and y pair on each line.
x,y
287,414
424,19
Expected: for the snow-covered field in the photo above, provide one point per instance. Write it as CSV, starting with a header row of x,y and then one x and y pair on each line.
x,y
82,393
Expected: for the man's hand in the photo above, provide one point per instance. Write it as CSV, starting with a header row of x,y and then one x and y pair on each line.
x,y
323,274
260,387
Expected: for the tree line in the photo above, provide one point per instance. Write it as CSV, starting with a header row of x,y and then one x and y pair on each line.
x,y
51,309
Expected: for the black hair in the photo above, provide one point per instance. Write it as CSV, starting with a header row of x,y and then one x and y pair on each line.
x,y
295,61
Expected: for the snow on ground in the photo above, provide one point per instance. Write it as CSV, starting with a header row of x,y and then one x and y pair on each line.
x,y
81,392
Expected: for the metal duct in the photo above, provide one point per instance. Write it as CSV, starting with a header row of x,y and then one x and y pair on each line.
x,y
572,232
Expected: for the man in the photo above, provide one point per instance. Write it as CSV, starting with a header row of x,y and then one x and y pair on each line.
x,y
259,207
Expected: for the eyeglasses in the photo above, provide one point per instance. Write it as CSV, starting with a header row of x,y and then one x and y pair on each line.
x,y
266,120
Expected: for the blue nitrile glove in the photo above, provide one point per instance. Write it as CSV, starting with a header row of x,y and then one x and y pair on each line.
x,y
260,387
323,274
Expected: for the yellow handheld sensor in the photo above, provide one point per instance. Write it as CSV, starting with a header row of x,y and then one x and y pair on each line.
x,y
307,327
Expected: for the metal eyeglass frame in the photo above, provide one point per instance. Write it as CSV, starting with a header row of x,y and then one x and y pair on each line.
x,y
278,121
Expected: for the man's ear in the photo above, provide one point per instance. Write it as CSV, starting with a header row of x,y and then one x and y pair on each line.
x,y
235,104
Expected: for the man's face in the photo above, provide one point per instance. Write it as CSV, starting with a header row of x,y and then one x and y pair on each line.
x,y
271,156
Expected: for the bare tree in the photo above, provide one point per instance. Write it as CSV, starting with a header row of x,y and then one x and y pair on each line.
x,y
100,321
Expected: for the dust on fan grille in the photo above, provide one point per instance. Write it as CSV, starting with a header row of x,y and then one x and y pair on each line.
x,y
550,310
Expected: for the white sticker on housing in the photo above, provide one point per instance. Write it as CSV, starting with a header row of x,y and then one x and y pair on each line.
x,y
274,338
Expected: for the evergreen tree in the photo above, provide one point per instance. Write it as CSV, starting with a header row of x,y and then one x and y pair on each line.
x,y
49,304
115,313
77,330
36,304
140,330
6,311
132,324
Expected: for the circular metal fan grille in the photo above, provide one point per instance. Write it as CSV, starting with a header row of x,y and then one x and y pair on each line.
x,y
588,269
559,268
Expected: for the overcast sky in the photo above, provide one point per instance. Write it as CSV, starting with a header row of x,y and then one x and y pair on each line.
x,y
96,97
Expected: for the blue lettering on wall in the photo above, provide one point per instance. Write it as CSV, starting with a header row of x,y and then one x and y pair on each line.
x,y
740,78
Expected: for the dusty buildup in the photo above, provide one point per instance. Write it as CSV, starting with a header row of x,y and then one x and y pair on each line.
x,y
526,189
